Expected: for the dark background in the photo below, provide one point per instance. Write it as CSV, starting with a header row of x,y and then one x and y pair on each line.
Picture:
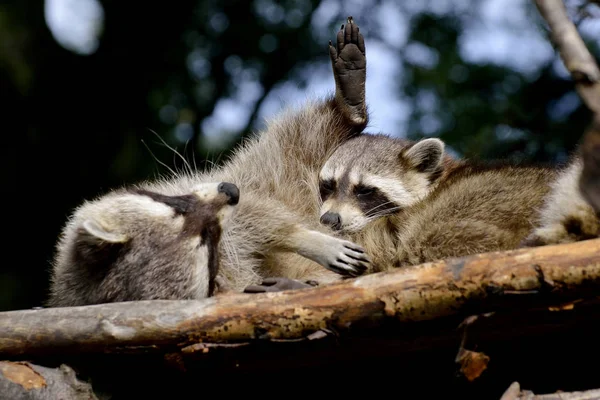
x,y
77,122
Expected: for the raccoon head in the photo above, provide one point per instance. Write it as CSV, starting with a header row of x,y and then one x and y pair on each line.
x,y
136,244
372,176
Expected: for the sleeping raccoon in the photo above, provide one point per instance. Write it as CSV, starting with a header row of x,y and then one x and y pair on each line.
x,y
372,176
407,203
276,230
135,244
476,209
565,216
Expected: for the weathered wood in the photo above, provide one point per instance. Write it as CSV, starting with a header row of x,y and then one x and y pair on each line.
x,y
514,392
458,286
26,381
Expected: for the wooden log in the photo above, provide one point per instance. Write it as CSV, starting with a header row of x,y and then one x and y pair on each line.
x,y
460,286
514,392
23,380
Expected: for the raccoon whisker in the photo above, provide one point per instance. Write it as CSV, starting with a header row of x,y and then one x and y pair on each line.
x,y
378,206
174,173
175,152
194,159
190,170
387,212
383,213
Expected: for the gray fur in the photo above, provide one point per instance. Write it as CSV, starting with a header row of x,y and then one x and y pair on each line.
x,y
128,246
275,230
565,216
476,208
402,172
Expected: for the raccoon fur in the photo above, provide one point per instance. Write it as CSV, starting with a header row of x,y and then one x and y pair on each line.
x,y
476,209
372,176
566,216
275,231
134,244
408,202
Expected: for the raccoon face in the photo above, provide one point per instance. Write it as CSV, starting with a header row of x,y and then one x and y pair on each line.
x,y
138,244
372,176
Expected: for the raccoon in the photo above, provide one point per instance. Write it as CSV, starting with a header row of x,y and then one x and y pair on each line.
x,y
276,230
372,176
478,208
566,216
134,244
408,202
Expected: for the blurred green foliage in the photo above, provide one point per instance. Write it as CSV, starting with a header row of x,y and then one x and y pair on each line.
x,y
75,125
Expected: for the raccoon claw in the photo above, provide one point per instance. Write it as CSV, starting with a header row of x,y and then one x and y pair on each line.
x,y
349,34
338,255
278,285
351,261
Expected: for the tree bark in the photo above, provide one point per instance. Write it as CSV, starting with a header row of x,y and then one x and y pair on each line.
x,y
514,392
575,55
23,380
585,72
454,287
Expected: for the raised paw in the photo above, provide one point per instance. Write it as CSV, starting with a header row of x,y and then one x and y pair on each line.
x,y
350,70
278,285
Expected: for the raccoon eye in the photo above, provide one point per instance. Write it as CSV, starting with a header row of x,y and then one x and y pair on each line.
x,y
326,187
364,190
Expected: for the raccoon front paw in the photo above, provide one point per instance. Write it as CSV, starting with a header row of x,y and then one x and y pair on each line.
x,y
350,260
342,257
350,70
278,285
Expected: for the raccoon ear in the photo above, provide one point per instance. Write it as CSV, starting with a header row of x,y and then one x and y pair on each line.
x,y
426,155
95,232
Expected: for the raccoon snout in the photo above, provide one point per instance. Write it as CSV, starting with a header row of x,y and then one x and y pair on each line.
x,y
231,191
332,219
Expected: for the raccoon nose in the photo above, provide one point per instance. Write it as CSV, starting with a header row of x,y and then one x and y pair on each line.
x,y
231,191
331,219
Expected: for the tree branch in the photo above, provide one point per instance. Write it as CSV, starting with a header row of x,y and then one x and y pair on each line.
x,y
575,55
454,287
585,73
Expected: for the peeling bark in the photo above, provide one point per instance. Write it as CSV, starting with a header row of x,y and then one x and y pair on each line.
x,y
23,380
514,392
